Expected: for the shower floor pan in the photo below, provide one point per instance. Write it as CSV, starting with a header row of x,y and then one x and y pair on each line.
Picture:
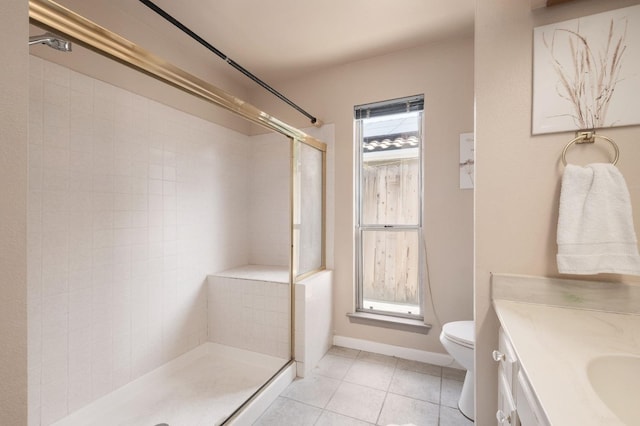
x,y
201,387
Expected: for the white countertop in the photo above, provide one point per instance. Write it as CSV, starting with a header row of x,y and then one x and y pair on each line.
x,y
554,346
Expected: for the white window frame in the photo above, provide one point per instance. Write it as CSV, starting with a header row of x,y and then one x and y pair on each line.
x,y
362,227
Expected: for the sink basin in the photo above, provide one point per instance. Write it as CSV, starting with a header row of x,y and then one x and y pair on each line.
x,y
616,380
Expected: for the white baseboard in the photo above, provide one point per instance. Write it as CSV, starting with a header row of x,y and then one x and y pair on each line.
x,y
444,360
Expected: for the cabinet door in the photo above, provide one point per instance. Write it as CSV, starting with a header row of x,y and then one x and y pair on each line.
x,y
506,356
529,410
506,414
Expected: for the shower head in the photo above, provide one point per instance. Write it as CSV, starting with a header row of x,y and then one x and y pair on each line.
x,y
51,40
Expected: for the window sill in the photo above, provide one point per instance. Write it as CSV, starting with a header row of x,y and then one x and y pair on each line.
x,y
385,321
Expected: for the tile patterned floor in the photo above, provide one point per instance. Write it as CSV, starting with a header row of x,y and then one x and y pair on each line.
x,y
357,388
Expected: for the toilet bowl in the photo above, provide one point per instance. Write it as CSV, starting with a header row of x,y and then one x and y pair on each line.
x,y
458,338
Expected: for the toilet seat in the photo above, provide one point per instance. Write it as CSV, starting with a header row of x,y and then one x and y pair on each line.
x,y
461,333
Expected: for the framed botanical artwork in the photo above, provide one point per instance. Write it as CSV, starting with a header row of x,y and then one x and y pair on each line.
x,y
586,72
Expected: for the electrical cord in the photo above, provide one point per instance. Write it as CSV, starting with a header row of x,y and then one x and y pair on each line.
x,y
428,279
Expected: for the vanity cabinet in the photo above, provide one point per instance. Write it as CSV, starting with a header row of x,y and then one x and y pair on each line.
x,y
517,403
506,414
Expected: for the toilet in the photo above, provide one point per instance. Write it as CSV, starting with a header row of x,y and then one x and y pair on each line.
x,y
458,338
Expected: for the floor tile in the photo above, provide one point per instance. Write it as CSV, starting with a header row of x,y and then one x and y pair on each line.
x,y
333,366
453,417
313,390
370,374
420,367
345,352
450,393
453,373
377,358
360,402
416,385
286,411
357,388
327,418
401,410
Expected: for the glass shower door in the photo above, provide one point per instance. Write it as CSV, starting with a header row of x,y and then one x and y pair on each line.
x,y
309,166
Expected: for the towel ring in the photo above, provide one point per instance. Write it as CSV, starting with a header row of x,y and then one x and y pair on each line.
x,y
590,137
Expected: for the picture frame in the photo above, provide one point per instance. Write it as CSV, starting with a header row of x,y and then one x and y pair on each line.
x,y
586,72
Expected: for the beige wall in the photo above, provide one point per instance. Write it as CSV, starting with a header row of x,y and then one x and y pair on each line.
x,y
518,175
14,74
443,71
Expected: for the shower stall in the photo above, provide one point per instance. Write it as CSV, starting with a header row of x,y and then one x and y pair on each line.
x,y
163,249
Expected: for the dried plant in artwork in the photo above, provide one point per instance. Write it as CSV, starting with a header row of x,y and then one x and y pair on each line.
x,y
589,79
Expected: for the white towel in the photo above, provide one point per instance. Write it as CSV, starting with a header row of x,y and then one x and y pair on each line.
x,y
595,225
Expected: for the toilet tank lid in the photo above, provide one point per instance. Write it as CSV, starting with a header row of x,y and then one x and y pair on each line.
x,y
461,331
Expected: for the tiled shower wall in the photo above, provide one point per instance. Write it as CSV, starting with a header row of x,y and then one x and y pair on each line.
x,y
251,314
131,205
269,203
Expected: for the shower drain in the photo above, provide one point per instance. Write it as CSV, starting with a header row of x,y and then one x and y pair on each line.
x,y
162,424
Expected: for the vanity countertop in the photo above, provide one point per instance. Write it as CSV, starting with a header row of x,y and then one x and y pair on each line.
x,y
555,344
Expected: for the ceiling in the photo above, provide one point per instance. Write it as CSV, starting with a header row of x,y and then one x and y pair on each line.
x,y
278,40
283,39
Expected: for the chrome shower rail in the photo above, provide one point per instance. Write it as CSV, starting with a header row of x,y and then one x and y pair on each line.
x,y
54,17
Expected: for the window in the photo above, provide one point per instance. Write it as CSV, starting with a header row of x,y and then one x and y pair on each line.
x,y
389,207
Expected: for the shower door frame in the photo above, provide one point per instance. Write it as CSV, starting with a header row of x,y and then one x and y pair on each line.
x,y
53,17
322,147
294,277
